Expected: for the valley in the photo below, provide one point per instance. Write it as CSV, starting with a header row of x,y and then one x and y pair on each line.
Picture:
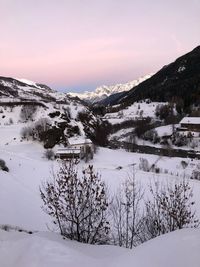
x,y
155,142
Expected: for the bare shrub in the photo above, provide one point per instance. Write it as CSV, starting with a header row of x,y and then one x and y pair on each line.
x,y
3,166
84,116
88,153
10,121
37,130
67,112
126,214
130,142
49,154
151,136
27,132
144,165
184,164
78,205
40,127
170,208
27,112
196,172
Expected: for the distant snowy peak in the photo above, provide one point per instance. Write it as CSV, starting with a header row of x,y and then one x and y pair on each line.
x,y
104,91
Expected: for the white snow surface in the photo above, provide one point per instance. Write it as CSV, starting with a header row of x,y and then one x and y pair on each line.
x,y
142,109
27,82
20,202
190,120
177,249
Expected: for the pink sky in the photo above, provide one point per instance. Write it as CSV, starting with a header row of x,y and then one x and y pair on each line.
x,y
80,44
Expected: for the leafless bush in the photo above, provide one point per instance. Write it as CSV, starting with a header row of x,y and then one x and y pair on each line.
x,y
3,166
184,164
10,121
170,208
78,205
49,154
130,142
40,127
126,214
67,112
144,165
27,112
37,130
88,153
196,173
27,132
151,136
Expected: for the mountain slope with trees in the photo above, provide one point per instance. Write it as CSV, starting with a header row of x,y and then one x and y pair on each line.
x,y
178,82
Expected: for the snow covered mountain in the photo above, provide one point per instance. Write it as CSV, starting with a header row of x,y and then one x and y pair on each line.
x,y
105,91
22,89
25,103
178,80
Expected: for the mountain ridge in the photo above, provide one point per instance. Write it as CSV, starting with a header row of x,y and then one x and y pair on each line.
x,y
22,89
104,91
177,81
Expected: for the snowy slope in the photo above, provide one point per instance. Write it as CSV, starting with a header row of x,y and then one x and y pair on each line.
x,y
22,89
23,103
177,249
137,110
104,91
28,82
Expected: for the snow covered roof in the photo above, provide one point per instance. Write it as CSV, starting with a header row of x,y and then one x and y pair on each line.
x,y
79,140
67,151
190,120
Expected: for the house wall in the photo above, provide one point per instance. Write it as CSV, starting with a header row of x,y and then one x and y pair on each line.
x,y
191,127
82,146
68,155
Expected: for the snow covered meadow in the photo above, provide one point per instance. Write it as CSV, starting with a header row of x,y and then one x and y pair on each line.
x,y
29,168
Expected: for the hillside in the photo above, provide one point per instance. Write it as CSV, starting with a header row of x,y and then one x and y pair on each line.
x,y
178,81
20,89
30,107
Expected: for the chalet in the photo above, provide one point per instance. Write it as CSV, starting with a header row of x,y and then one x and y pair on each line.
x,y
77,147
190,124
80,143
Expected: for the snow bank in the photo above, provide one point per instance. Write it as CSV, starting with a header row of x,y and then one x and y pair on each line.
x,y
177,249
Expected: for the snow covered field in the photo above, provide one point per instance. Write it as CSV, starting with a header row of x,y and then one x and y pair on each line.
x,y
20,205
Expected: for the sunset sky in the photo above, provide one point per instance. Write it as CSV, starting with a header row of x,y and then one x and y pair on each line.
x,y
76,45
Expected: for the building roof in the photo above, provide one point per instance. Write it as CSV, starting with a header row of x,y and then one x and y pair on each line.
x,y
190,120
80,140
63,151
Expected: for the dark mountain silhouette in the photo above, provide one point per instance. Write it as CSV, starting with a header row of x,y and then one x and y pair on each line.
x,y
178,81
